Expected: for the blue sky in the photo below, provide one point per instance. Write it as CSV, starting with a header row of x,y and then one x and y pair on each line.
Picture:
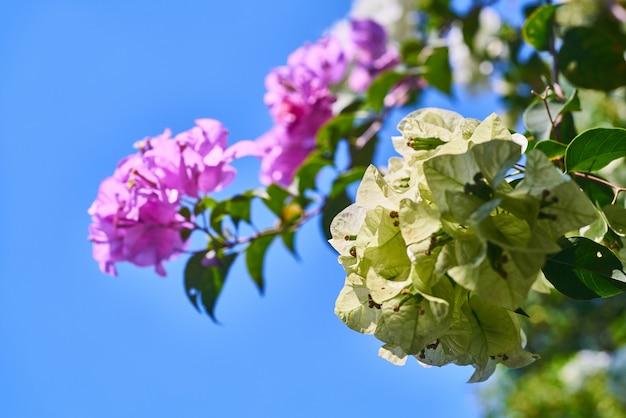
x,y
79,83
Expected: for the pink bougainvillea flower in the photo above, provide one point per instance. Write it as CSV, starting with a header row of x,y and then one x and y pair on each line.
x,y
194,161
300,94
326,58
295,93
370,53
145,233
300,103
282,155
368,41
136,215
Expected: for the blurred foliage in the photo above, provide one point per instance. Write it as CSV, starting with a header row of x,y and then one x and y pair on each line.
x,y
559,328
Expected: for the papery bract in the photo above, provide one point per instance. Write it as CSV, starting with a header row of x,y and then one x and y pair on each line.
x,y
136,215
326,58
300,94
282,154
194,161
297,95
441,250
135,221
370,53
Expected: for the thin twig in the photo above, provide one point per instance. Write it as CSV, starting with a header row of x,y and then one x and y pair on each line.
x,y
617,189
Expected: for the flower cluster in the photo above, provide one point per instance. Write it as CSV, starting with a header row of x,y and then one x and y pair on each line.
x,y
442,250
136,216
300,95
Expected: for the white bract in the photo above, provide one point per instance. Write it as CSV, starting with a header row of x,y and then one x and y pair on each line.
x,y
442,250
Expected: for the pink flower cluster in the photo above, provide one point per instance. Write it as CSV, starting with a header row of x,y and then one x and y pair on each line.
x,y
300,98
136,215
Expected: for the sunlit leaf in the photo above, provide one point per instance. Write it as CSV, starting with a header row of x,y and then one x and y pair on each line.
x,y
595,148
275,200
380,87
437,71
551,149
538,27
410,50
203,204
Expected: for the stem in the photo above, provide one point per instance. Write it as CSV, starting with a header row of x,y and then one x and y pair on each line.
x,y
373,129
277,230
555,60
544,98
617,189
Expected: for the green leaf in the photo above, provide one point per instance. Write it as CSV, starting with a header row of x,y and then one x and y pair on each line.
x,y
203,204
551,149
616,216
307,173
219,212
471,25
437,70
363,156
331,209
184,232
275,200
337,128
410,50
593,58
599,193
584,270
380,87
237,208
538,27
595,148
288,238
204,279
345,179
255,258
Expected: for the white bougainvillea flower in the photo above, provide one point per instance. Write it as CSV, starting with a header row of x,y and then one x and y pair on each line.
x,y
442,249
